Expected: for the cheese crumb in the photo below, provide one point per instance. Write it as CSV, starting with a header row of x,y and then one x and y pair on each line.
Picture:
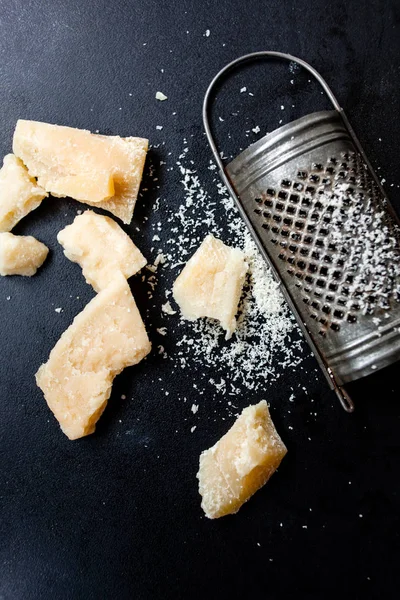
x,y
167,309
160,96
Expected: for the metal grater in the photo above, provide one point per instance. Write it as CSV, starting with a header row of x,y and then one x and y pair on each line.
x,y
322,221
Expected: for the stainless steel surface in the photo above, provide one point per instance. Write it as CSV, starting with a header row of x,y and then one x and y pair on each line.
x,y
321,219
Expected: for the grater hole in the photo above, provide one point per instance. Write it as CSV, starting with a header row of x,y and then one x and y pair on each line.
x,y
279,206
339,314
326,309
304,251
318,205
298,186
310,189
351,318
308,239
293,248
283,195
291,260
296,236
290,272
314,216
291,210
302,174
267,214
326,180
330,170
342,302
315,255
327,258
315,305
306,201
288,221
258,200
336,274
323,321
306,300
317,294
258,211
333,287
317,167
268,203
271,192
314,178
265,226
303,213
286,183
275,230
329,298
323,271
299,224
333,160
322,333
282,256
320,283
314,316
345,291
299,275
319,243
294,198
310,228
335,326
312,268
283,244
277,218
343,165
301,264
285,233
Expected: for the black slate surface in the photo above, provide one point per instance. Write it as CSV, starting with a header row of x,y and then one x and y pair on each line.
x,y
118,513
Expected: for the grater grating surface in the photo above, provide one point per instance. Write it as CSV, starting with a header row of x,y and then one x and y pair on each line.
x,y
322,221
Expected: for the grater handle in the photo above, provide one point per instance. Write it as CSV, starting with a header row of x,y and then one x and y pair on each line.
x,y
341,393
250,57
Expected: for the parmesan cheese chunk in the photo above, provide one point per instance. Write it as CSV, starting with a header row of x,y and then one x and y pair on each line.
x,y
107,336
83,165
240,463
211,282
20,254
19,192
101,248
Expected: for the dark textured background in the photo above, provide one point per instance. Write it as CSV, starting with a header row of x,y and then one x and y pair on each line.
x,y
118,514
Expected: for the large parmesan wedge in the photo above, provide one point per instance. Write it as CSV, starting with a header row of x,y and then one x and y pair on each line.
x,y
101,248
107,336
99,170
240,463
211,282
21,254
19,192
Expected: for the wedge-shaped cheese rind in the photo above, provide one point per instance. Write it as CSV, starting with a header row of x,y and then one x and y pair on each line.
x,y
101,248
56,155
21,254
240,463
211,282
107,336
19,192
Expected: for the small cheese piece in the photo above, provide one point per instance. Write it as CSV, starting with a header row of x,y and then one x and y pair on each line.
x,y
211,282
78,163
101,248
19,192
240,463
107,336
21,254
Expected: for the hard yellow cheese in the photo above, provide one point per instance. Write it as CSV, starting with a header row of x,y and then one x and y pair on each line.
x,y
101,248
240,463
21,254
83,165
19,192
107,336
211,282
